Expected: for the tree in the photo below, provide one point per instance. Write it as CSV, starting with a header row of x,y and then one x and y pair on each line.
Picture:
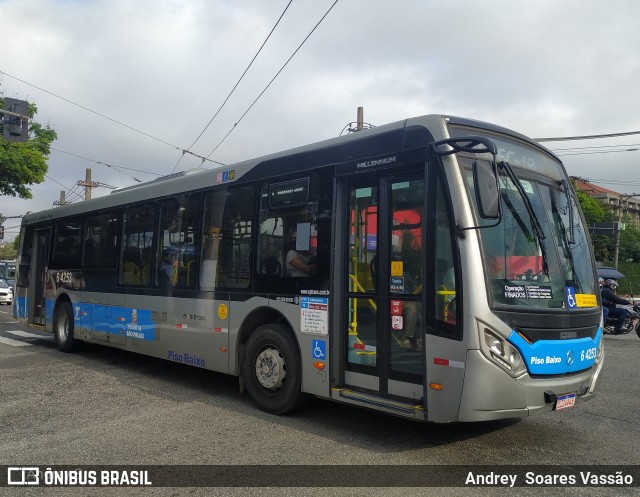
x,y
23,164
7,252
596,212
630,244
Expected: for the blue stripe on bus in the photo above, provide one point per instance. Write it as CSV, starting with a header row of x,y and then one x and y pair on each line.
x,y
133,323
49,306
557,356
20,307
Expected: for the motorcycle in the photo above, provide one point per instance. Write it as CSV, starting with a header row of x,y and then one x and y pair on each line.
x,y
631,321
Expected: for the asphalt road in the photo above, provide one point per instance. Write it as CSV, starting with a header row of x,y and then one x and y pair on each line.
x,y
102,406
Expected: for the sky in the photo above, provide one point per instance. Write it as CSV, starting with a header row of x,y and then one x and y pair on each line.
x,y
163,68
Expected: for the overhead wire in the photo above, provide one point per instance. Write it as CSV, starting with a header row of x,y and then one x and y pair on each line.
x,y
237,83
613,182
68,190
596,149
272,80
586,137
568,154
184,151
112,166
597,146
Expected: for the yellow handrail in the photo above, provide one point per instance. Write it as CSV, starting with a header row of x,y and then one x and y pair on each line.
x,y
353,325
361,288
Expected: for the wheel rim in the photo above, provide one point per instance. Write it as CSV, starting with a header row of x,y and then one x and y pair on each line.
x,y
270,368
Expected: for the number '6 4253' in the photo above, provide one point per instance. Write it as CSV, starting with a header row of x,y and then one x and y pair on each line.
x,y
588,354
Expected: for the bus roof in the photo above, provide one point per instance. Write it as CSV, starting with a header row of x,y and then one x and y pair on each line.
x,y
390,138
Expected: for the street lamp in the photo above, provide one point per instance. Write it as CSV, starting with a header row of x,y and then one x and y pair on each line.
x,y
620,200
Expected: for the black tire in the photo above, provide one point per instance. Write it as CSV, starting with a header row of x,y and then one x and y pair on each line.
x,y
638,330
63,327
272,370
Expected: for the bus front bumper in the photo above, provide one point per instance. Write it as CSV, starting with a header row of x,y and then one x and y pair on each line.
x,y
490,393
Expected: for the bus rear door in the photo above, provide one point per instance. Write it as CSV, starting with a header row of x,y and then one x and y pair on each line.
x,y
38,279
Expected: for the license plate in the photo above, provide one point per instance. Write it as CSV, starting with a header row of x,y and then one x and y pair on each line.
x,y
566,400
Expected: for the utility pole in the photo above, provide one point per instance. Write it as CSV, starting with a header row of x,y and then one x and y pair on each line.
x,y
88,185
63,199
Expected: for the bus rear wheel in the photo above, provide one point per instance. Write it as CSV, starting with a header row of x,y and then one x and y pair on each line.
x,y
272,370
63,327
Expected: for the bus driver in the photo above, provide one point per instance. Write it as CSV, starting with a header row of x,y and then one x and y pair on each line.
x,y
299,262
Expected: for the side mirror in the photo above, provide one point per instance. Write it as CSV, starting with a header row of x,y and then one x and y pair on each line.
x,y
487,191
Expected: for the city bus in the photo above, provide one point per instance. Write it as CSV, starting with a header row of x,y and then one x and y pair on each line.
x,y
8,270
436,268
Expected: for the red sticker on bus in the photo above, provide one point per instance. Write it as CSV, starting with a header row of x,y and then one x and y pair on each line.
x,y
396,307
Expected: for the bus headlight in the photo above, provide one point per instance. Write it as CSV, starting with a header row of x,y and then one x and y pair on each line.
x,y
501,352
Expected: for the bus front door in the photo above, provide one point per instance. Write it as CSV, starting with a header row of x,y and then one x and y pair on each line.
x,y
384,328
38,277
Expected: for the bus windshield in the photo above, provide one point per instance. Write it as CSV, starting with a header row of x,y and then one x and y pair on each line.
x,y
538,254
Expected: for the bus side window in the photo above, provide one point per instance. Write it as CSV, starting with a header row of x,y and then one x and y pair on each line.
x,y
295,209
67,244
271,247
234,263
178,227
213,209
139,229
99,241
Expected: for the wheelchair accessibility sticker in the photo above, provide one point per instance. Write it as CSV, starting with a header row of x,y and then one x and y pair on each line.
x,y
319,349
570,293
576,300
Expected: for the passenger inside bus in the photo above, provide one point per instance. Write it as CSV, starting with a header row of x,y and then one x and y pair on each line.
x,y
168,267
299,262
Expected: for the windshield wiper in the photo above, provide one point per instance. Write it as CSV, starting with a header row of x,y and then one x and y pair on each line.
x,y
568,254
537,227
516,216
566,236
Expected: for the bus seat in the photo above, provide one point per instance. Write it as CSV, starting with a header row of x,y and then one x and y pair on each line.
x,y
271,266
130,273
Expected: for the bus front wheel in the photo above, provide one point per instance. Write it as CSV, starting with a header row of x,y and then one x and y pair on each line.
x,y
63,327
272,370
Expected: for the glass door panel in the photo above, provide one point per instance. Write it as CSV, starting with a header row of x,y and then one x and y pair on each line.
x,y
406,273
384,291
362,308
